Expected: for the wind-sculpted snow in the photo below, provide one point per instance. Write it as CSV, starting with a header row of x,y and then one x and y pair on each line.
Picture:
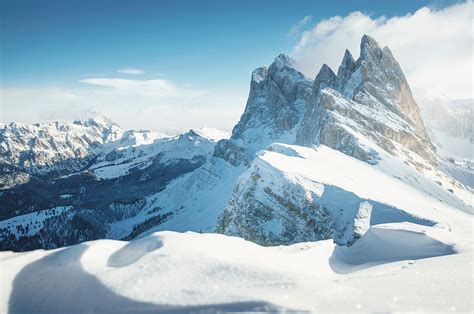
x,y
390,243
133,251
169,272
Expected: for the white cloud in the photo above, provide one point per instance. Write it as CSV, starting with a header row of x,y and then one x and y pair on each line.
x,y
142,87
295,29
131,71
434,47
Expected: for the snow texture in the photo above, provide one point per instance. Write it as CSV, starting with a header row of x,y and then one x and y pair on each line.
x,y
393,267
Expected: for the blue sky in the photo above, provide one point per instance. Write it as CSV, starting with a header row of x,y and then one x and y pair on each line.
x,y
198,46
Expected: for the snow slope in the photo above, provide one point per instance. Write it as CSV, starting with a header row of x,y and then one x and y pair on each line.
x,y
292,194
30,224
138,149
182,272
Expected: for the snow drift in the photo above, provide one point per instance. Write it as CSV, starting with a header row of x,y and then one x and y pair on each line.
x,y
183,272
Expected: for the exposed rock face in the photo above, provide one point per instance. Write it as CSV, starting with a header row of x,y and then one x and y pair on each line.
x,y
373,94
381,76
367,99
278,100
345,71
269,209
325,78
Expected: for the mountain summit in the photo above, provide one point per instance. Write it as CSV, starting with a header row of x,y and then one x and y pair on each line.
x,y
374,95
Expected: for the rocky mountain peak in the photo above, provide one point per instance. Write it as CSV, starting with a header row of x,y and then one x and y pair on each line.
x,y
283,60
277,102
370,96
54,148
258,75
369,48
324,78
379,75
285,106
345,70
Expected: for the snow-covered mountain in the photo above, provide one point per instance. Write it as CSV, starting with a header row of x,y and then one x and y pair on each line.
x,y
278,101
109,180
362,125
366,111
51,148
450,124
290,195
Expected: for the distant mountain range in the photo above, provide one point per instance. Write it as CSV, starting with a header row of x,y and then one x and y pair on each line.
x,y
308,160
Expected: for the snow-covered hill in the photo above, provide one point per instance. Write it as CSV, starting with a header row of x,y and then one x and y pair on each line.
x,y
393,267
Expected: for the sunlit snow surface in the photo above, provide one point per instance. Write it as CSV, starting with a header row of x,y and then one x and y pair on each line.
x,y
393,267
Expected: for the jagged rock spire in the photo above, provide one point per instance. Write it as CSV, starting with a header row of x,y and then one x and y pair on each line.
x,y
373,83
282,60
345,70
324,78
283,103
369,48
376,73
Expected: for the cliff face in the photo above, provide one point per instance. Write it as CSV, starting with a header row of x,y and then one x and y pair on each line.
x,y
278,100
368,98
